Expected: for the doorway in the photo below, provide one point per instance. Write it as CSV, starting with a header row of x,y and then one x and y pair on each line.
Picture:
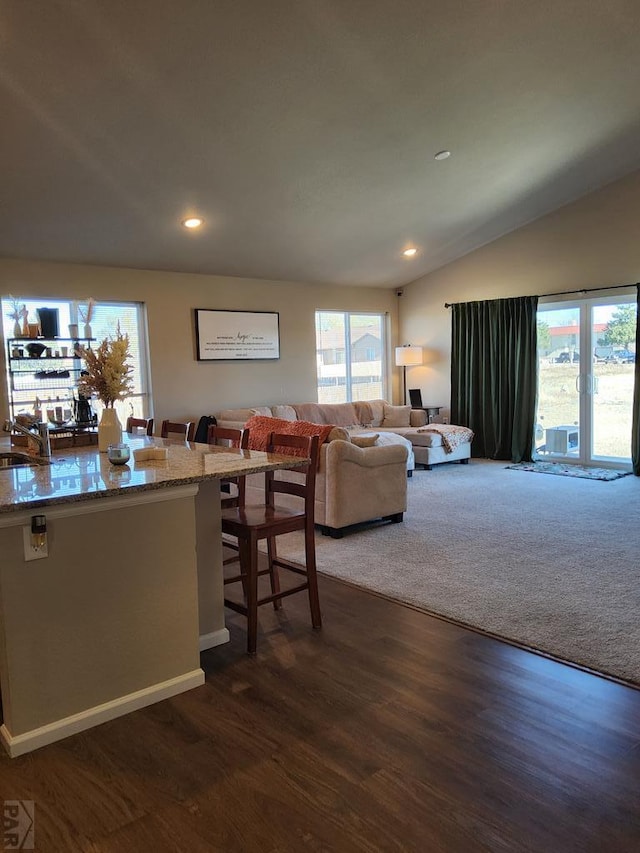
x,y
586,358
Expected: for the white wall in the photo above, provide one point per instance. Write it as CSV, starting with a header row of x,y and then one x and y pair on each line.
x,y
184,388
591,243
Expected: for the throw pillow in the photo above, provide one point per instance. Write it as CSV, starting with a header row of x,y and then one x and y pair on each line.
x,y
396,416
364,440
339,433
260,428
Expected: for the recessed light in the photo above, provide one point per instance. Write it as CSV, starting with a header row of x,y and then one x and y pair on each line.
x,y
442,155
409,253
192,222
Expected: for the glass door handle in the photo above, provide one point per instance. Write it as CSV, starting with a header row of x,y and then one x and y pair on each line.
x,y
586,383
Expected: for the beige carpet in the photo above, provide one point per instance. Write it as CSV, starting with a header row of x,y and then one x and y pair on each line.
x,y
552,563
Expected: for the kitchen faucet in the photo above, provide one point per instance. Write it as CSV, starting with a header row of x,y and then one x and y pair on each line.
x,y
41,437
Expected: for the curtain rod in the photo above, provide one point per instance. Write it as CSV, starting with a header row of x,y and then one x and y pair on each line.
x,y
569,292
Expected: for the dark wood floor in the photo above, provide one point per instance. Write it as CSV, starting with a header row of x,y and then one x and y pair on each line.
x,y
387,731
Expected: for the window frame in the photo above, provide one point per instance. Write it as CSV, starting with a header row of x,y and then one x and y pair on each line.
x,y
350,380
139,403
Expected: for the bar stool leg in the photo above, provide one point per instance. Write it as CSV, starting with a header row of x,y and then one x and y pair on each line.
x,y
249,564
312,577
274,575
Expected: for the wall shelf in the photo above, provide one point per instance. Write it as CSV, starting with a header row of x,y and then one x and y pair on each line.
x,y
44,376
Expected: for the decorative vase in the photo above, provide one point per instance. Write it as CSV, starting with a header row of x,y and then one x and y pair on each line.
x,y
109,429
87,330
17,330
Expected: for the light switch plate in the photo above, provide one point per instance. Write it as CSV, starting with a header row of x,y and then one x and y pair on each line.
x,y
30,553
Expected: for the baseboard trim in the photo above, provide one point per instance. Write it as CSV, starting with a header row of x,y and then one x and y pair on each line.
x,y
28,741
215,638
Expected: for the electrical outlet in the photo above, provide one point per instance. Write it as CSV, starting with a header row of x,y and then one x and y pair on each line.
x,y
31,553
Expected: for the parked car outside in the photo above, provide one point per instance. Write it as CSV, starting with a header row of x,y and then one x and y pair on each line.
x,y
609,355
622,356
567,358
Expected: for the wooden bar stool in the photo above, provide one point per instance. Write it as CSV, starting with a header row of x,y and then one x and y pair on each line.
x,y
250,524
230,438
232,488
186,430
135,425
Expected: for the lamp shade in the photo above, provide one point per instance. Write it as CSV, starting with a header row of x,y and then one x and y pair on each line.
x,y
406,356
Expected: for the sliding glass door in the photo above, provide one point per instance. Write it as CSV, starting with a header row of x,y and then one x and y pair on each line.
x,y
586,352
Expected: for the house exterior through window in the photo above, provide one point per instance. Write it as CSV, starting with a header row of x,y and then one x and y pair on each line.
x,y
351,356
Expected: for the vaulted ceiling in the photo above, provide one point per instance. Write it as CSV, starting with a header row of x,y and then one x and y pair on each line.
x,y
304,131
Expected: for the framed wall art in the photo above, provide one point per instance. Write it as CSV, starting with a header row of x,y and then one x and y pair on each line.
x,y
237,335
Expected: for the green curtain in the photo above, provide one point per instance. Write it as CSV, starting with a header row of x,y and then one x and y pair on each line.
x,y
494,375
635,424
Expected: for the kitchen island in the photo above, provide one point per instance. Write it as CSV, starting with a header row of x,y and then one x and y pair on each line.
x,y
131,591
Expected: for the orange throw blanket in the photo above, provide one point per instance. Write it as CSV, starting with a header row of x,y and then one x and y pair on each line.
x,y
452,436
261,427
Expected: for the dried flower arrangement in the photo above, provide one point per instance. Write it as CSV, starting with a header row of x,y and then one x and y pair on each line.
x,y
85,312
18,312
108,375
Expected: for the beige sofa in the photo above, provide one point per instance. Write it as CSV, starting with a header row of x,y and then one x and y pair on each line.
x,y
377,416
353,485
381,417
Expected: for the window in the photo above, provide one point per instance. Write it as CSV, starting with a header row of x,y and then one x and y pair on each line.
x,y
51,388
350,356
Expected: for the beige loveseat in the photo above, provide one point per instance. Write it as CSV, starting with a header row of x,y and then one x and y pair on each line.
x,y
353,484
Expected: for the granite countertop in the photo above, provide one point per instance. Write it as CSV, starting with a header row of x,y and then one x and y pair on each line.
x,y
83,473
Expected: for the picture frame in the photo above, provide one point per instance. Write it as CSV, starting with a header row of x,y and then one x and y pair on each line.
x,y
225,335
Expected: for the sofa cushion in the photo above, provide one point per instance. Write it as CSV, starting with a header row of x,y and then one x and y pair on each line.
x,y
287,413
418,417
417,439
396,416
243,414
309,412
377,412
260,428
364,412
336,414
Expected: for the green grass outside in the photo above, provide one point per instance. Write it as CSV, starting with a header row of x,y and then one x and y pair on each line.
x,y
558,404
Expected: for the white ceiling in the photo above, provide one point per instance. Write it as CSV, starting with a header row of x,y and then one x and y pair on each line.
x,y
303,131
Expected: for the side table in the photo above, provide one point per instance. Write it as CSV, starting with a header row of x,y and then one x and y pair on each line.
x,y
431,411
